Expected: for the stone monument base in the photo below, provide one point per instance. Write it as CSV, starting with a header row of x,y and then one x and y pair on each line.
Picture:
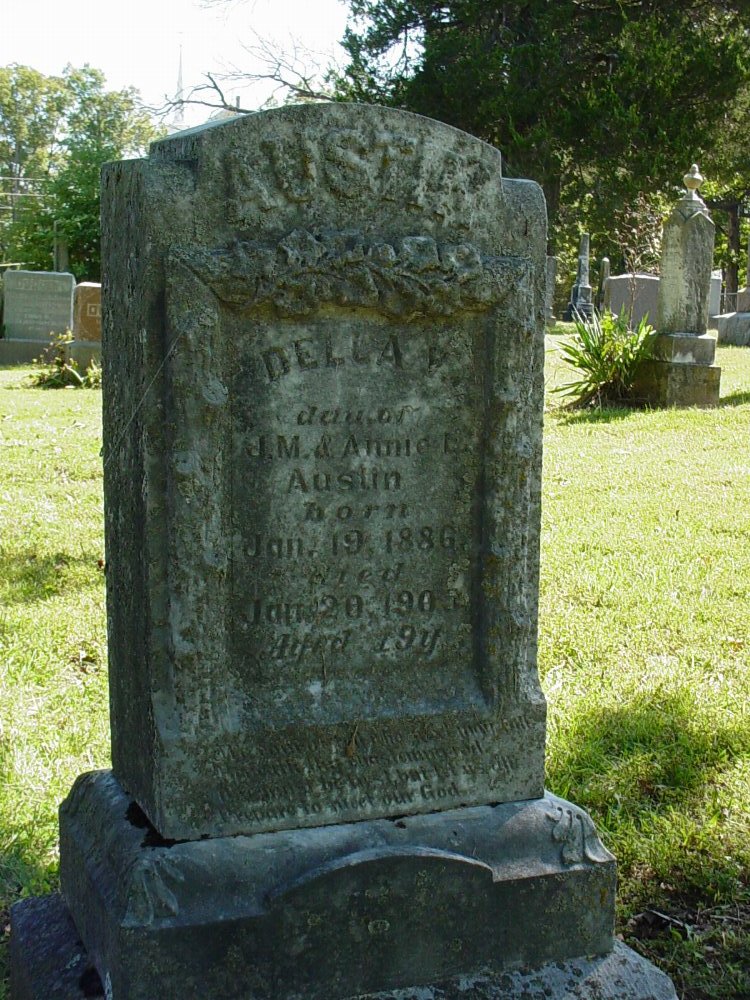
x,y
26,352
490,901
685,348
734,328
22,352
48,962
681,372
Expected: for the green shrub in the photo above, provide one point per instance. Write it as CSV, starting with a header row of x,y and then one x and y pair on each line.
x,y
607,354
57,370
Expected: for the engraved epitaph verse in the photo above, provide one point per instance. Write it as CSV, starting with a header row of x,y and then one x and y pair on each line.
x,y
355,461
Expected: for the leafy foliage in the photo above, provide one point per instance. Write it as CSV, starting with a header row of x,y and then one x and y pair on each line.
x,y
607,354
57,370
86,127
597,100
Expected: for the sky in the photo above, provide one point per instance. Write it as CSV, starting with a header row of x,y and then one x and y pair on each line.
x,y
137,42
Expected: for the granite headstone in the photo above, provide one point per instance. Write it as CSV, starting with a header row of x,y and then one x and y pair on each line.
x,y
37,304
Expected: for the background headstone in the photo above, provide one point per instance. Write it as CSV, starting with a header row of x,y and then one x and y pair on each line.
x,y
604,275
714,294
635,295
682,372
87,311
734,327
686,264
549,296
581,304
37,304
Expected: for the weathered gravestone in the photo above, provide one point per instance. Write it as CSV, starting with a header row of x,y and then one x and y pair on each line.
x,y
604,276
581,305
323,367
714,295
37,305
734,327
549,295
682,372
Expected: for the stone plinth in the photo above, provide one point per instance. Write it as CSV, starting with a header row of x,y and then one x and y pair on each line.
x,y
734,328
362,909
48,942
663,384
684,349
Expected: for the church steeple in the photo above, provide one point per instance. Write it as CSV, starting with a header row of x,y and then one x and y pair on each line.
x,y
179,116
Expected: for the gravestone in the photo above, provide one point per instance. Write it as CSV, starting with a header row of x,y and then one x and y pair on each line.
x,y
635,295
604,276
581,305
37,305
322,524
714,294
549,296
87,311
734,327
682,372
87,324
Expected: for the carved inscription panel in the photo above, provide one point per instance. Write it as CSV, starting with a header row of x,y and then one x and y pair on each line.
x,y
355,464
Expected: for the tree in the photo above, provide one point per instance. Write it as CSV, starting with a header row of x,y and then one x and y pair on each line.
x,y
32,111
93,126
598,100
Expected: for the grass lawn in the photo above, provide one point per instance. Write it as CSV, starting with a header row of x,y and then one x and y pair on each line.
x,y
644,652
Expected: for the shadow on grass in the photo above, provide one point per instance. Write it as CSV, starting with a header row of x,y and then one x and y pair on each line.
x,y
21,872
643,771
651,774
735,399
594,415
29,577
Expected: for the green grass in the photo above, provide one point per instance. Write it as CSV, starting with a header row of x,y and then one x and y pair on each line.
x,y
53,685
644,651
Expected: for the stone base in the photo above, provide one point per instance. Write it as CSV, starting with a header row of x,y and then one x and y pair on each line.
x,y
47,958
22,352
664,383
25,352
84,352
734,328
685,348
583,311
510,901
48,962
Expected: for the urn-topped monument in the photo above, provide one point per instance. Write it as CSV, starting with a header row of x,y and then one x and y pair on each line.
x,y
683,372
323,349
